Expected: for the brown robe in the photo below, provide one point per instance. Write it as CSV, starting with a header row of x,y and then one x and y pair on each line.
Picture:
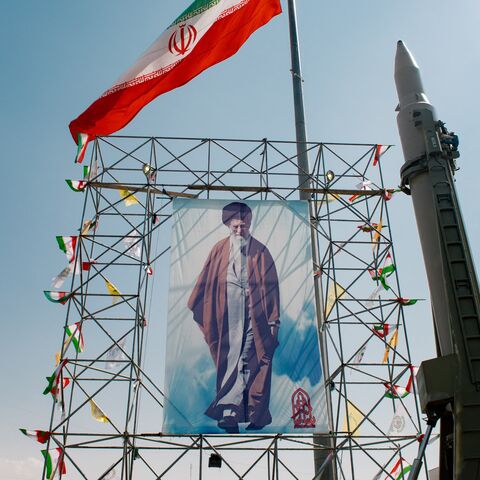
x,y
208,302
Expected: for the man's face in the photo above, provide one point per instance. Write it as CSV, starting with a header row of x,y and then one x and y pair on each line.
x,y
239,228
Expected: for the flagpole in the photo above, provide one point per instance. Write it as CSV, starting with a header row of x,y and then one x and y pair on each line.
x,y
324,470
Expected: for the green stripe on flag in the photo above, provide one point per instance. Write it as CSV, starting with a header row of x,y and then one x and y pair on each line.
x,y
196,8
404,472
48,463
61,244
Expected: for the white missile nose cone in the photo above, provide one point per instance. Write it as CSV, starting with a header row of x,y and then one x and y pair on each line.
x,y
403,57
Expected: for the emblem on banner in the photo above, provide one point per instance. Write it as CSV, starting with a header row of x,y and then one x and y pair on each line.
x,y
302,410
182,39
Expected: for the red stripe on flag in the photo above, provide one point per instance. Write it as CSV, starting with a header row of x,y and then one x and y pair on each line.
x,y
112,112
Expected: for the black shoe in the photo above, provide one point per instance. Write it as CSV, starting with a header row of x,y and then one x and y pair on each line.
x,y
229,424
253,426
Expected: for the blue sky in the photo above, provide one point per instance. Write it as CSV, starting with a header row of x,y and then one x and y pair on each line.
x,y
57,57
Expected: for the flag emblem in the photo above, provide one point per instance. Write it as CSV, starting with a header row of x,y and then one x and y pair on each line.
x,y
182,39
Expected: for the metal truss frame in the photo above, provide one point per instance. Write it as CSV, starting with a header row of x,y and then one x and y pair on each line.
x,y
117,373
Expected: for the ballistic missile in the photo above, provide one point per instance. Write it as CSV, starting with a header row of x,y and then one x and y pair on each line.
x,y
418,128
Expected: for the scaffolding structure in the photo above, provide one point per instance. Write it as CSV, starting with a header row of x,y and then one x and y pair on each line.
x,y
118,299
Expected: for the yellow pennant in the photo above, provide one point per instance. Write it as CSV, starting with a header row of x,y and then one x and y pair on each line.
x,y
392,343
113,290
128,198
327,198
97,413
376,236
355,417
335,291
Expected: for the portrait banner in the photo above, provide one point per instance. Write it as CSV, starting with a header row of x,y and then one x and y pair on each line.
x,y
242,342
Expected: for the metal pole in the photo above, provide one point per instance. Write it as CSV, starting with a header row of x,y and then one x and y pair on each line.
x,y
304,181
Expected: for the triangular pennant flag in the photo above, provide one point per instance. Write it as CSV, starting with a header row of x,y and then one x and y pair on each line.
x,y
335,292
399,420
68,245
373,296
359,355
115,355
365,185
406,301
133,244
59,280
82,142
74,332
89,225
128,198
379,151
367,227
77,185
41,436
54,379
392,343
377,235
400,469
54,464
113,290
382,273
57,297
97,413
353,418
395,391
381,330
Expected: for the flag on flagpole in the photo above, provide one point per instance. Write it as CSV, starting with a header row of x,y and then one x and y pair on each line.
x,y
128,198
335,292
74,333
353,418
54,464
392,343
76,185
206,33
97,413
68,246
41,436
57,297
112,290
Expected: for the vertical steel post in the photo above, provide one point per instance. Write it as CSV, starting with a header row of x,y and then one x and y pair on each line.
x,y
304,182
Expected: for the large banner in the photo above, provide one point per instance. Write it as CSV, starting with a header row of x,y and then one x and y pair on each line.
x,y
242,343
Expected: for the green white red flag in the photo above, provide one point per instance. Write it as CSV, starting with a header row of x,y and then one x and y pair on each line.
x,y
206,33
400,469
41,436
54,464
382,273
379,151
55,383
77,185
68,245
381,330
396,391
74,333
405,301
57,297
365,185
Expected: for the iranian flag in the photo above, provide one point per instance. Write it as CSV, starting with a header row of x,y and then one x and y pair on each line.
x,y
68,246
74,333
54,464
57,297
382,273
40,436
400,469
77,185
206,33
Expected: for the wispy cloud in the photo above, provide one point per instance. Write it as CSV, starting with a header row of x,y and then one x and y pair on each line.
x,y
27,469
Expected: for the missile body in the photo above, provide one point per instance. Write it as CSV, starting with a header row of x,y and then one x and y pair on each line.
x,y
416,125
449,386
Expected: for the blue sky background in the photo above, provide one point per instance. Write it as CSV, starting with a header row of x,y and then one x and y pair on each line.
x,y
57,57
